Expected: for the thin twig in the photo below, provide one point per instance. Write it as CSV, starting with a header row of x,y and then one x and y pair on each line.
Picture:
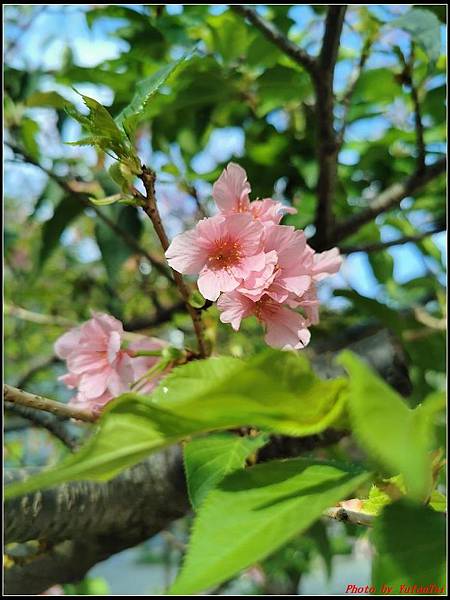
x,y
389,198
84,198
418,124
383,245
346,100
34,317
148,178
274,35
17,396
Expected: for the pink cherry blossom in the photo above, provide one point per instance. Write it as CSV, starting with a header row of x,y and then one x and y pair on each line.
x,y
253,265
231,193
99,368
284,328
224,250
93,354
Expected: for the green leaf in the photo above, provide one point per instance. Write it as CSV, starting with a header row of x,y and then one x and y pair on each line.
x,y
114,250
375,85
255,511
47,100
394,435
379,496
228,36
410,549
196,299
208,459
104,133
106,201
425,29
120,176
28,131
438,501
202,396
382,265
67,210
135,112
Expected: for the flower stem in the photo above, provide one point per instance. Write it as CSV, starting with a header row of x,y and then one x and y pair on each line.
x,y
150,207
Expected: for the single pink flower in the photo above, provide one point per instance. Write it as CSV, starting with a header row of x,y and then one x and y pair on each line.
x,y
231,193
284,328
99,368
94,357
223,250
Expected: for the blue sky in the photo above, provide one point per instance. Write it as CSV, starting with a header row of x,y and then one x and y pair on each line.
x,y
56,27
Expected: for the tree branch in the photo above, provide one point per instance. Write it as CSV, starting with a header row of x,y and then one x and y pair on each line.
x,y
383,245
388,199
274,35
327,143
16,396
90,521
150,207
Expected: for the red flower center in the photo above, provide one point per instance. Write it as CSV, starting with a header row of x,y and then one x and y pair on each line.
x,y
225,253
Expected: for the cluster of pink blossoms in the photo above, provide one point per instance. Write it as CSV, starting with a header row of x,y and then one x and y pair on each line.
x,y
99,367
252,265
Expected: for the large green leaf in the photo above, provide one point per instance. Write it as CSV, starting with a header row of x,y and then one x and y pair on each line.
x,y
208,459
201,396
255,511
410,549
67,210
394,435
425,29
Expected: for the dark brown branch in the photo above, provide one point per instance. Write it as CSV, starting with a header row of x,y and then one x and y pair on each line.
x,y
274,35
327,143
150,207
42,419
383,245
388,199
